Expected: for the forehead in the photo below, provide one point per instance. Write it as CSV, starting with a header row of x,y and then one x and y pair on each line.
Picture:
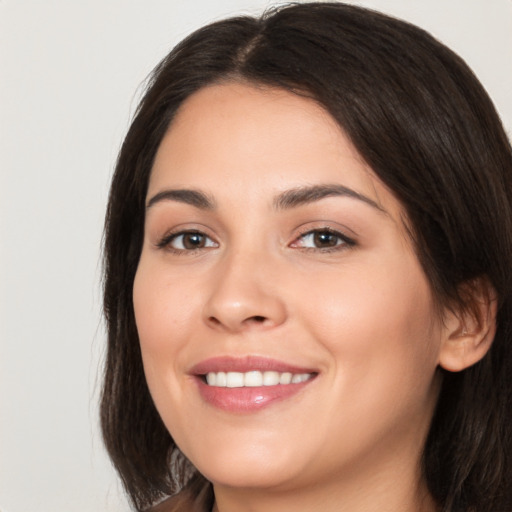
x,y
243,138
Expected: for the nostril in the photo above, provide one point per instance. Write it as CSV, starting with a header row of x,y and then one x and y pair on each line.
x,y
235,322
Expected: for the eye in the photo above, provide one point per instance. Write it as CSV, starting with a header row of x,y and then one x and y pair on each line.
x,y
322,239
187,241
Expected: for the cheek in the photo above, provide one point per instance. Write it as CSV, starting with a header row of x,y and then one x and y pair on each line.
x,y
378,330
164,316
162,309
378,322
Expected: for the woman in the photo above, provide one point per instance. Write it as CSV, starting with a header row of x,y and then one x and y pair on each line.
x,y
307,274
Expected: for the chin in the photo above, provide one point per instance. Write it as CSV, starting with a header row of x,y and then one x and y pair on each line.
x,y
248,476
256,466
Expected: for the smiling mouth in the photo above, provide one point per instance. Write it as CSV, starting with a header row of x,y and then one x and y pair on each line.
x,y
254,378
244,385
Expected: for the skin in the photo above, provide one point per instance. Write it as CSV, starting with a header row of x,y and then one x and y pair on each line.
x,y
361,313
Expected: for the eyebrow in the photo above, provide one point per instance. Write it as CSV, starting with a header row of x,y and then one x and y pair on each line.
x,y
188,196
305,195
286,200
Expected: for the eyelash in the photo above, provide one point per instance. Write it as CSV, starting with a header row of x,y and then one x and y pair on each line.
x,y
342,243
166,241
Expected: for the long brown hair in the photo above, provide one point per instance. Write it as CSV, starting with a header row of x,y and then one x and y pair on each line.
x,y
424,124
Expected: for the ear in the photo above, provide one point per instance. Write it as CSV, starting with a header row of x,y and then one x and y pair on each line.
x,y
469,333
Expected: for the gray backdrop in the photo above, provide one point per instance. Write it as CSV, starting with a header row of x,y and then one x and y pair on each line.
x,y
69,72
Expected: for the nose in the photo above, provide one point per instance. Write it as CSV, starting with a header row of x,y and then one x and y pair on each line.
x,y
245,295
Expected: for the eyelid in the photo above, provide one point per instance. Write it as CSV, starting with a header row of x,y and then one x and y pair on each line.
x,y
165,241
348,241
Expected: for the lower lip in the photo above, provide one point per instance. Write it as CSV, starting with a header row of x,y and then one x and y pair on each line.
x,y
247,399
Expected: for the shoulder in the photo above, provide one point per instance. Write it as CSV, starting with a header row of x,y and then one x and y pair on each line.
x,y
178,503
168,505
187,501
164,506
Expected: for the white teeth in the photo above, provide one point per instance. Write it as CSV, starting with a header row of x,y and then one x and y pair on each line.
x,y
270,378
234,380
221,379
285,378
254,378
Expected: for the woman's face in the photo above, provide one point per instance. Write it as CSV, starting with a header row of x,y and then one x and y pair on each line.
x,y
272,254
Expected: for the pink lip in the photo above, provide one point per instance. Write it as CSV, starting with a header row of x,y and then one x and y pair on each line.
x,y
246,364
250,399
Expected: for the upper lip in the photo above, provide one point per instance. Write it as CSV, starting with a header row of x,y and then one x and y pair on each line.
x,y
246,364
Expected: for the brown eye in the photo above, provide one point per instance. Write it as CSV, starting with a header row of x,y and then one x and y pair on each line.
x,y
325,239
188,241
193,241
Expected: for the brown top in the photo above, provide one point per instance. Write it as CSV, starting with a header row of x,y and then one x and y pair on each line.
x,y
196,496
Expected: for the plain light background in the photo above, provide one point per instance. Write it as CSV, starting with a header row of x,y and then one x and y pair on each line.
x,y
69,76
